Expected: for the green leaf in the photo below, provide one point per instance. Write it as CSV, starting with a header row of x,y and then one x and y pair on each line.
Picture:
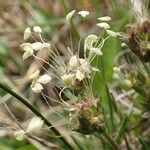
x,y
78,143
144,145
122,128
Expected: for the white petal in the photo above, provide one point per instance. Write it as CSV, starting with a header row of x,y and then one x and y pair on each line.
x,y
40,46
37,46
37,29
90,39
103,25
95,69
116,69
67,79
123,44
27,54
27,33
35,124
83,13
70,15
20,135
28,49
73,62
79,75
44,79
35,74
96,51
47,45
37,88
104,18
26,45
112,33
84,66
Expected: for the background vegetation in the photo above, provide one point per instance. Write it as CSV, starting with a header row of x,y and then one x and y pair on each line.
x,y
15,16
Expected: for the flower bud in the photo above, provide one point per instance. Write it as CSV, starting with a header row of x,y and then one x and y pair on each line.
x,y
70,15
104,18
44,79
27,33
37,29
103,25
83,13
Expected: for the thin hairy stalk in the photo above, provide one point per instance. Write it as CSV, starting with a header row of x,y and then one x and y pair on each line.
x,y
62,98
36,112
51,106
13,116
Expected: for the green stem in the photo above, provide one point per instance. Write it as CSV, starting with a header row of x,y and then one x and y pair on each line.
x,y
36,112
108,137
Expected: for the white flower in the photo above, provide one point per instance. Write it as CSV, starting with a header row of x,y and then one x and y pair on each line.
x,y
40,46
104,18
103,25
44,79
37,29
112,33
70,15
67,79
79,67
35,124
96,51
123,44
37,46
25,45
116,69
27,33
47,45
37,88
84,66
19,134
73,62
90,40
83,13
27,54
79,75
37,81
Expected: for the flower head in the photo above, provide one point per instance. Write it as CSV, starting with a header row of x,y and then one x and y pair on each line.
x,y
27,33
27,47
70,15
37,29
38,80
112,33
90,40
103,25
83,13
104,18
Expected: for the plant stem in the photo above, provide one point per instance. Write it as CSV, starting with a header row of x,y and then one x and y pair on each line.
x,y
36,112
108,137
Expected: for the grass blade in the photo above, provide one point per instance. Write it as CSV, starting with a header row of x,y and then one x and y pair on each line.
x,y
144,145
78,143
36,112
122,128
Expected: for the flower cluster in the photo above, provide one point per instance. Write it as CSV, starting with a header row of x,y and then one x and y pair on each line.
x,y
72,71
